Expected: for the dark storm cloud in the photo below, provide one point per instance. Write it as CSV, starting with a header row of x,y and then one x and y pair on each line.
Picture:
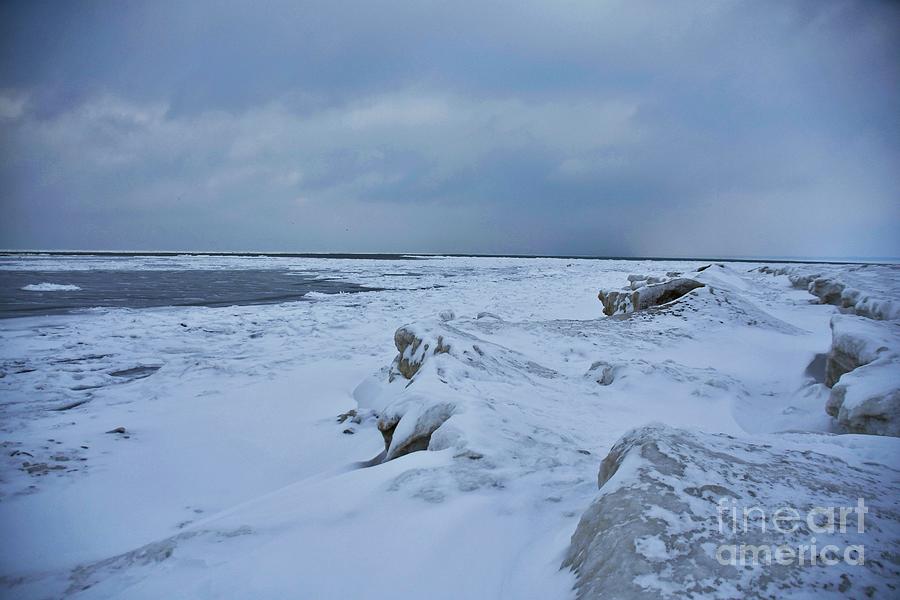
x,y
683,128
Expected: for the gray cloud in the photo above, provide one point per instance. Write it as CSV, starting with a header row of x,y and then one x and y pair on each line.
x,y
616,128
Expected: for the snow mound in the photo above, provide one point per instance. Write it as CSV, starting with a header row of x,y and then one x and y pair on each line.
x,y
50,287
863,371
662,525
731,307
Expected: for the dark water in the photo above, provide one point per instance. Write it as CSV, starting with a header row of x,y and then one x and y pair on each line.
x,y
142,289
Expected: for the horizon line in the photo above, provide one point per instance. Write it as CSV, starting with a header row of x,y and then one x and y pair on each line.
x,y
412,255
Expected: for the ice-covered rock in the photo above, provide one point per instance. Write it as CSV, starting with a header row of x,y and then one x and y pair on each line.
x,y
406,419
868,305
867,400
826,289
646,296
409,426
856,341
863,371
413,350
670,518
833,291
420,399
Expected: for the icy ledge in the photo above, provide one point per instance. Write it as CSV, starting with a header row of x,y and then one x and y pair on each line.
x,y
662,525
863,371
863,367
860,289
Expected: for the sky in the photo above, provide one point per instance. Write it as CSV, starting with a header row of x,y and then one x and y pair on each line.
x,y
603,128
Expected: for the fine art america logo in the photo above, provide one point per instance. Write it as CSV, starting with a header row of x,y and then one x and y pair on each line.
x,y
746,523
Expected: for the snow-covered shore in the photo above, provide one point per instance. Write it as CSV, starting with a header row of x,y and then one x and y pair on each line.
x,y
233,477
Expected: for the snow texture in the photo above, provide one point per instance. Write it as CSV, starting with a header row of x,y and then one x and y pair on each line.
x,y
439,437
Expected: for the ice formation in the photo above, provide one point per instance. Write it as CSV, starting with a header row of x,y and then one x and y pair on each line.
x,y
866,290
648,292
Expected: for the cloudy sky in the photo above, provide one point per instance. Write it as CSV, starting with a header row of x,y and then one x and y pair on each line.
x,y
600,128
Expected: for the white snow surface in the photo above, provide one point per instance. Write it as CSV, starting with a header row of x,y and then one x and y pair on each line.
x,y
50,287
233,478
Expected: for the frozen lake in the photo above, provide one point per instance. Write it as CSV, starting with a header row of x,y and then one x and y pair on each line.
x,y
33,293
